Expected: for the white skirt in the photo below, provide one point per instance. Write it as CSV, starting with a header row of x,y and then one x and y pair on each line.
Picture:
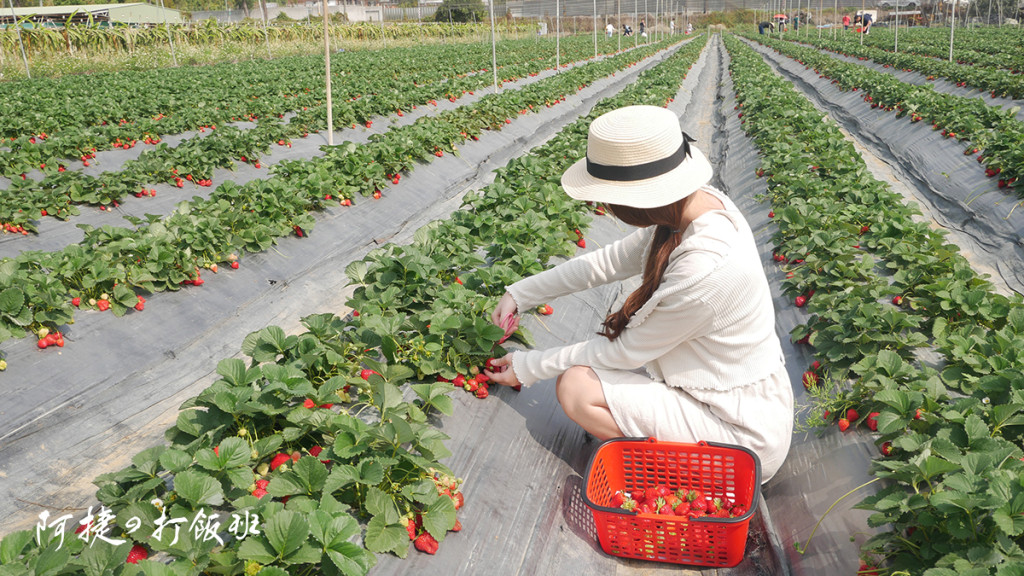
x,y
757,416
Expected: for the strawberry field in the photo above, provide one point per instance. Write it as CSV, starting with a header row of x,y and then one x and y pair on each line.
x,y
209,314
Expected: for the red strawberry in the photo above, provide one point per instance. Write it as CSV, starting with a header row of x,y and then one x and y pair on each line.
x,y
852,415
917,414
256,165
279,459
771,213
426,543
365,373
886,448
103,305
76,301
545,309
457,527
844,424
262,483
138,552
234,265
872,421
867,570
864,229
259,492
581,243
315,451
897,300
810,379
459,500
481,392
309,403
815,365
617,499
800,301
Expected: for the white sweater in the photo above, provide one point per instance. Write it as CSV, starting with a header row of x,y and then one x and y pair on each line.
x,y
710,325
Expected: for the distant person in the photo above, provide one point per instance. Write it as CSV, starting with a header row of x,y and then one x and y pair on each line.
x,y
671,27
770,27
796,23
867,22
689,27
643,29
609,29
846,21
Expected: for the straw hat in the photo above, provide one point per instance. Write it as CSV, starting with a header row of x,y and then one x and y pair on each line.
x,y
637,156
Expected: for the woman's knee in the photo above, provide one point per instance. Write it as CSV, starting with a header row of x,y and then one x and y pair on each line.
x,y
572,387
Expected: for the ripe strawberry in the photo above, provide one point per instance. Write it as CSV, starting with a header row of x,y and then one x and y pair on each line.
x,y
771,213
42,212
234,265
917,414
279,459
457,527
852,415
815,365
867,570
315,451
810,379
138,552
459,500
365,373
800,301
309,403
376,194
256,165
76,301
886,448
581,243
426,543
459,381
481,392
103,304
259,492
617,499
844,424
545,309
864,229
897,300
872,421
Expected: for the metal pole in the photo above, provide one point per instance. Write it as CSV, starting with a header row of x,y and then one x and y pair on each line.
x,y
619,34
595,28
383,38
952,26
821,4
636,36
835,26
17,28
494,49
266,31
862,14
558,38
327,75
896,36
174,57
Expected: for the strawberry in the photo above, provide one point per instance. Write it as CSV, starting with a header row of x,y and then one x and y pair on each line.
x,y
864,229
800,301
309,403
852,415
872,421
459,381
234,265
103,304
867,570
256,165
844,424
917,414
426,543
76,301
376,194
457,527
459,500
897,300
617,499
138,552
315,451
365,373
42,212
771,214
581,243
886,448
481,392
278,460
545,309
259,492
810,379
262,483
815,365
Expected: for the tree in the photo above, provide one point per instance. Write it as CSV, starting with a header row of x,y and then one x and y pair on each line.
x,y
461,11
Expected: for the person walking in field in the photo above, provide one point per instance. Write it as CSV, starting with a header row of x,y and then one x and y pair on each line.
x,y
692,353
846,21
609,29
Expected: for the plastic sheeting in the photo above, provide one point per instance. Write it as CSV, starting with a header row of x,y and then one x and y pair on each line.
x,y
950,188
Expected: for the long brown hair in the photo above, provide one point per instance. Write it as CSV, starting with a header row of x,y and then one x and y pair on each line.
x,y
667,237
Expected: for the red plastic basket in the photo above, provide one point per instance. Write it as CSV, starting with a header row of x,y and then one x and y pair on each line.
x,y
718,470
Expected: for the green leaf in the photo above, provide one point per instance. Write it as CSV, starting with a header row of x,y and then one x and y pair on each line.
x,y
354,560
258,549
174,460
379,503
439,517
12,300
311,472
286,532
976,428
154,568
198,488
13,544
384,537
371,472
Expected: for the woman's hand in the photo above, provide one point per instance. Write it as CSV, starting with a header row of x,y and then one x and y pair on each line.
x,y
506,307
503,373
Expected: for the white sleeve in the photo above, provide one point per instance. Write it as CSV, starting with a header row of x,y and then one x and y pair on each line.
x,y
676,319
618,261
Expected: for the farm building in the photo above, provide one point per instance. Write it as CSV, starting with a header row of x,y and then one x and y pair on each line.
x,y
133,14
